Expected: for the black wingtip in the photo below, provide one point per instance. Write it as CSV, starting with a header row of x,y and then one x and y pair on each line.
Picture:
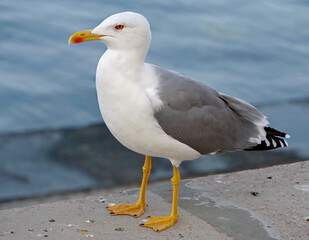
x,y
274,132
274,139
271,142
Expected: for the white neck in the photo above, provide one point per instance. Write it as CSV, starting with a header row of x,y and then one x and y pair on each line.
x,y
127,56
119,63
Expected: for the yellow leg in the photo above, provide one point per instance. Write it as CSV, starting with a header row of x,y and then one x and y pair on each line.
x,y
137,209
160,223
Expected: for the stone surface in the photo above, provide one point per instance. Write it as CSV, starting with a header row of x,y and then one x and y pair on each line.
x,y
277,197
88,219
262,204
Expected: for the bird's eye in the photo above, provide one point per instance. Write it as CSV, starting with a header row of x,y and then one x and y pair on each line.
x,y
119,27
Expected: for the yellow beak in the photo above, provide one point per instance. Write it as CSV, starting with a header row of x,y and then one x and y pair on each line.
x,y
84,36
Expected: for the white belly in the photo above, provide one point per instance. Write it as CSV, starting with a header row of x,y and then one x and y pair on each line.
x,y
128,113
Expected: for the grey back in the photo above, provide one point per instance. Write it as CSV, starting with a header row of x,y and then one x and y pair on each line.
x,y
197,115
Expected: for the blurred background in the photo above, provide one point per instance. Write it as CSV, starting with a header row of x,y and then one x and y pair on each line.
x,y
52,137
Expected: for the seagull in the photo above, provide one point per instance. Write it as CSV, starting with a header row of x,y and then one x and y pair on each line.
x,y
161,113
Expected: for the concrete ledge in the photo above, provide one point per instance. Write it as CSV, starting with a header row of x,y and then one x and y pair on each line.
x,y
270,203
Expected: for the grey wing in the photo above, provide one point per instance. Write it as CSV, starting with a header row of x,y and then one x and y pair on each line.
x,y
196,115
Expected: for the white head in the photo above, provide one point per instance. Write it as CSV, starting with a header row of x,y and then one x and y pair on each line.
x,y
122,31
125,30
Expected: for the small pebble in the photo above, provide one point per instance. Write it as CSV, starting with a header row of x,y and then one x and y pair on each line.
x,y
119,229
304,166
102,200
71,225
42,235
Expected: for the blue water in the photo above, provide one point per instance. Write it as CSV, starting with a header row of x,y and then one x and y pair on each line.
x,y
255,50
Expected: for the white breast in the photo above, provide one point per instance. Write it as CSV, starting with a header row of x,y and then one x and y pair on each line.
x,y
126,99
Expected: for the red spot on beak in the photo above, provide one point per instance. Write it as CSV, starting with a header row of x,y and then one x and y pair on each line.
x,y
78,40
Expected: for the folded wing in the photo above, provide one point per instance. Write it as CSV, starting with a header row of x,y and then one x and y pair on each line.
x,y
209,122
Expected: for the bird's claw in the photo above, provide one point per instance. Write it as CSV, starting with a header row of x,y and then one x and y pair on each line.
x,y
160,223
134,210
